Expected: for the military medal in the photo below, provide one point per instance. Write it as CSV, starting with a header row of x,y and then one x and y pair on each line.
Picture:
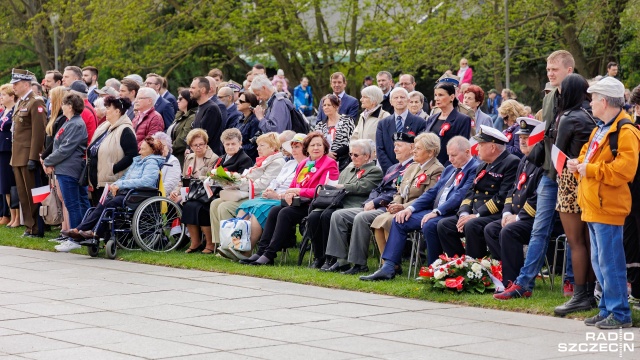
x,y
521,180
459,178
421,179
480,176
445,128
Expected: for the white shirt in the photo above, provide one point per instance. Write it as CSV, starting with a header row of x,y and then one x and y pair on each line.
x,y
282,182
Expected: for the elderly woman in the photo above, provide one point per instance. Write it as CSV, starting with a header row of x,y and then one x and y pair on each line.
x,y
358,179
418,178
234,159
182,124
195,214
416,103
112,147
10,217
101,110
143,172
473,98
317,169
255,180
370,98
337,129
259,208
510,111
67,159
171,171
248,126
448,122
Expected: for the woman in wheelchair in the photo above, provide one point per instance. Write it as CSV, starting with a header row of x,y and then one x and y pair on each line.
x,y
143,173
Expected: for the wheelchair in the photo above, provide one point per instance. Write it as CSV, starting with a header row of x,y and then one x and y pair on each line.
x,y
145,221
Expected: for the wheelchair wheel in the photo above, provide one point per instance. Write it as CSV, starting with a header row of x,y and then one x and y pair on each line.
x,y
122,230
93,250
156,225
111,247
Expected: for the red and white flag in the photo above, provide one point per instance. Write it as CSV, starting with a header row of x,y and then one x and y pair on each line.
x,y
105,193
176,227
252,190
40,193
537,134
474,146
558,158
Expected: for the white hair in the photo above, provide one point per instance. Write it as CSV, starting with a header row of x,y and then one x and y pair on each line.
x,y
148,92
374,94
165,139
114,83
98,104
399,89
260,81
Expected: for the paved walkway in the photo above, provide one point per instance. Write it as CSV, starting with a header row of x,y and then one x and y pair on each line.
x,y
66,306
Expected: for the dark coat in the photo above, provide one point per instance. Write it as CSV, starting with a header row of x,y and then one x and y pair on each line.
x,y
209,118
574,130
5,131
172,100
348,106
223,110
234,116
237,163
165,109
383,194
384,137
249,129
523,197
459,124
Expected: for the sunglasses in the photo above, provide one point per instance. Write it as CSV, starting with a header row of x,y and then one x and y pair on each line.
x,y
355,155
242,101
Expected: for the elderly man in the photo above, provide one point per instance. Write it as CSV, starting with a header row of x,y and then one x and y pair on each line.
x,y
401,120
29,119
275,112
353,248
208,116
161,106
484,200
408,82
605,198
113,83
147,121
442,200
225,95
348,104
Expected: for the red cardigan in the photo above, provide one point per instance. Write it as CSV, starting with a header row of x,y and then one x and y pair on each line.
x,y
325,165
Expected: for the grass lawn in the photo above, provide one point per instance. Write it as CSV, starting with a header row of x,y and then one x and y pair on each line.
x,y
542,302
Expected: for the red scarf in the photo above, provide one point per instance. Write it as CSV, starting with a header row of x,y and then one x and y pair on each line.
x,y
260,159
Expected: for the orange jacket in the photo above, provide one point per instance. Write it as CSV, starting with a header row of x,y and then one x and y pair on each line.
x,y
603,194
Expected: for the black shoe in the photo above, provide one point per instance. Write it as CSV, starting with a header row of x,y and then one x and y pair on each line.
x,y
378,275
357,269
336,267
269,263
250,259
579,301
318,263
398,270
30,235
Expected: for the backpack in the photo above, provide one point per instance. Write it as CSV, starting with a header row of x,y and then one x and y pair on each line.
x,y
634,185
299,122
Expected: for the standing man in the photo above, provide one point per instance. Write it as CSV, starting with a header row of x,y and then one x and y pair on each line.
x,y
384,81
29,119
52,79
71,74
612,70
129,89
559,64
408,82
162,106
90,77
208,116
605,198
167,95
225,95
400,121
275,112
213,95
348,104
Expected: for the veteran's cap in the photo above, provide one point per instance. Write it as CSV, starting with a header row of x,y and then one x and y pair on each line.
x,y
107,90
21,75
79,86
489,134
527,125
404,137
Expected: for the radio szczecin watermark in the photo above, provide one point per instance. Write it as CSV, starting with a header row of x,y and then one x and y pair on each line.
x,y
603,342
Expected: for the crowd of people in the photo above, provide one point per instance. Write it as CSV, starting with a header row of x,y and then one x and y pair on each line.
x,y
461,169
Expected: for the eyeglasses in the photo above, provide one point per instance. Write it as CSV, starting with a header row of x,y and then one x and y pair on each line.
x,y
355,155
147,83
242,101
198,145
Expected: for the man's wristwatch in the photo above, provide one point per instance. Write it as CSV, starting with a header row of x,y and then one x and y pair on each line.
x,y
436,211
478,215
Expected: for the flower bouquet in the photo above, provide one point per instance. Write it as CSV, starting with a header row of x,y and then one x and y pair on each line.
x,y
463,274
223,177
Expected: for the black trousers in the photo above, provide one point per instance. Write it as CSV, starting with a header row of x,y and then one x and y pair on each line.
x,y
92,219
318,224
631,241
506,243
280,228
476,246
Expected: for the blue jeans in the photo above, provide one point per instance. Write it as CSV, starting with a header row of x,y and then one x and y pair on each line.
x,y
609,264
75,198
541,232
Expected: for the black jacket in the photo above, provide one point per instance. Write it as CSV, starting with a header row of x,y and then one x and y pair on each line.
x,y
209,118
574,129
237,163
523,197
459,124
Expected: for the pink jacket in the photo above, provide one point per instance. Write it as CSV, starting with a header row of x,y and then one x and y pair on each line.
x,y
325,165
468,76
148,125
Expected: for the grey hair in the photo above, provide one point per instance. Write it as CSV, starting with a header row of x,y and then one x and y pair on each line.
x,y
149,92
260,81
614,102
114,83
374,94
418,94
460,142
362,144
98,104
286,135
399,89
385,73
165,139
430,141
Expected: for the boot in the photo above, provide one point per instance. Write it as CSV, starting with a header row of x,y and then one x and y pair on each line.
x,y
578,302
591,287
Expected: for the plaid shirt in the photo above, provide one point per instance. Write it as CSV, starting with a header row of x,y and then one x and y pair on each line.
x,y
603,129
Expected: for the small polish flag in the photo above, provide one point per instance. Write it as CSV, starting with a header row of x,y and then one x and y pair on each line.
x,y
330,182
474,146
252,190
176,227
40,193
537,134
105,193
207,187
558,158
183,193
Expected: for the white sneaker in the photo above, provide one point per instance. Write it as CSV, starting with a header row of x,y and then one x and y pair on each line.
x,y
68,246
238,255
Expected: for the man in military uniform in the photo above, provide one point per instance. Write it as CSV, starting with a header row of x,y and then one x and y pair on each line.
x,y
462,108
506,236
29,120
485,199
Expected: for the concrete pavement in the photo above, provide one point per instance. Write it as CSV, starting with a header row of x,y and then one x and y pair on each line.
x,y
67,306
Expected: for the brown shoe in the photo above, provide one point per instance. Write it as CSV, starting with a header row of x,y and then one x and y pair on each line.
x,y
73,233
87,234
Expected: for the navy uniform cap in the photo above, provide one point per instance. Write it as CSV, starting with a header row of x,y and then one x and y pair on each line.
x,y
489,134
449,78
527,125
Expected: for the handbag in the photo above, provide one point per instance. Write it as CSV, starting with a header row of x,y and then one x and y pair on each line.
x,y
51,207
197,192
328,197
236,233
83,180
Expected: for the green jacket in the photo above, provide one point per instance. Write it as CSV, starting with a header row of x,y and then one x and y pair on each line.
x,y
179,130
549,108
359,188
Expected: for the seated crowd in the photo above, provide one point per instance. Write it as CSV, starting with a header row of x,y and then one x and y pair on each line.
x,y
471,183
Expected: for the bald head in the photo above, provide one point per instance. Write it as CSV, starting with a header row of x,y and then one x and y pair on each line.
x,y
213,86
225,94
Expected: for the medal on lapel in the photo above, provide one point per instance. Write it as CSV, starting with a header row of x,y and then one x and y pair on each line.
x,y
480,176
360,173
521,180
445,127
421,179
459,178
